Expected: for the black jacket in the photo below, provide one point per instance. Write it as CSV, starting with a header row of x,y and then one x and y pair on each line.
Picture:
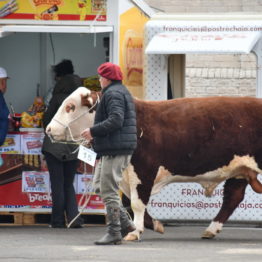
x,y
63,88
114,130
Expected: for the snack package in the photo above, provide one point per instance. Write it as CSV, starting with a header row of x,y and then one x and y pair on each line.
x,y
27,120
34,116
30,121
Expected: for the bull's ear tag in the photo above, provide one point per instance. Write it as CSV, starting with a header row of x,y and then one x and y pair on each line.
x,y
86,155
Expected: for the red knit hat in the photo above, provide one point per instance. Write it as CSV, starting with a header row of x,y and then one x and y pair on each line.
x,y
110,71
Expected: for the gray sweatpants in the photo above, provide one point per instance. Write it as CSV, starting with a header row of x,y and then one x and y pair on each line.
x,y
108,174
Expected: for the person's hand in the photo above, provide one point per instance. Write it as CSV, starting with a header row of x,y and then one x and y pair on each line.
x,y
87,134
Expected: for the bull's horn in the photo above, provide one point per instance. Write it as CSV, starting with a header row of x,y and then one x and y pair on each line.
x,y
254,182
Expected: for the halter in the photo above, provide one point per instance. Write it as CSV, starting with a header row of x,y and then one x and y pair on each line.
x,y
80,141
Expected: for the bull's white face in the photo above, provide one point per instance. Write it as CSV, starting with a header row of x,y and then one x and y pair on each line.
x,y
71,118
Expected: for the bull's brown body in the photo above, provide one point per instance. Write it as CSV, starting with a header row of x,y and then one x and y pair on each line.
x,y
192,136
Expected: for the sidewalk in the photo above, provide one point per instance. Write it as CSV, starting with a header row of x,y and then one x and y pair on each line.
x,y
179,243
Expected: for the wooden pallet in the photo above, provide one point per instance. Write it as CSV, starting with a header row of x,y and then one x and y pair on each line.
x,y
11,218
28,218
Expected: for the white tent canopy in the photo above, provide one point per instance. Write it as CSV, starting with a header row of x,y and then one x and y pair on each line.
x,y
202,36
201,42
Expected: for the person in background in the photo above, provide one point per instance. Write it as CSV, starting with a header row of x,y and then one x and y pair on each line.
x,y
61,161
4,112
114,137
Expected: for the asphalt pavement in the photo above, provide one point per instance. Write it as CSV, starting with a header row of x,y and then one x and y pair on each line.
x,y
179,243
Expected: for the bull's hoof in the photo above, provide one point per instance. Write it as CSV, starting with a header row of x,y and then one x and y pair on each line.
x,y
208,235
158,227
132,236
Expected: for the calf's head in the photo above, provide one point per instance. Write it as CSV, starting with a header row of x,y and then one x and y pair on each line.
x,y
73,116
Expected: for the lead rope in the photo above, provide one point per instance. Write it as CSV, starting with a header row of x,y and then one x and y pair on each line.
x,y
84,195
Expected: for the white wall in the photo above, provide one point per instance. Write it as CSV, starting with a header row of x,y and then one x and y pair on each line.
x,y
20,55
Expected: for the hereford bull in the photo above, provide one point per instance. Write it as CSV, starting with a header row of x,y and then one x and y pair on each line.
x,y
203,140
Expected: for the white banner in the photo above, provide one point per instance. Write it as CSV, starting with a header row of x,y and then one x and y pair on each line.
x,y
186,201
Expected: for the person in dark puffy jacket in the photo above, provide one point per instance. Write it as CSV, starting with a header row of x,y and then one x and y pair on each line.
x,y
114,140
61,161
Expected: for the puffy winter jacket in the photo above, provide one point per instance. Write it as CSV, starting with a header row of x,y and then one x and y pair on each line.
x,y
114,130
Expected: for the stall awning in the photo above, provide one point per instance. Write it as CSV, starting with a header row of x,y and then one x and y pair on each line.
x,y
202,42
7,29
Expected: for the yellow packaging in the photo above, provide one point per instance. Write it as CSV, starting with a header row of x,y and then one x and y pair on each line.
x,y
30,121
